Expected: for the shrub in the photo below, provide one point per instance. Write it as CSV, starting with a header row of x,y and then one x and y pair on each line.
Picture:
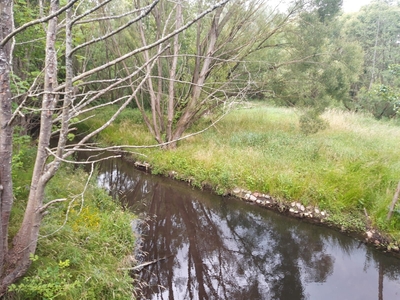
x,y
311,122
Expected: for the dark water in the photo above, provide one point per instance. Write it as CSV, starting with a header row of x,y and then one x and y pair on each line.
x,y
220,248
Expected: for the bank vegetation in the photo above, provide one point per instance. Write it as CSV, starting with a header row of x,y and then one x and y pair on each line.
x,y
350,168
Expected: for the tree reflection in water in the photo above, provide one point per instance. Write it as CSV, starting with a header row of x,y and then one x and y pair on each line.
x,y
219,248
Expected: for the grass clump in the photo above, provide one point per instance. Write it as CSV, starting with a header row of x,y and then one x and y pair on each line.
x,y
82,246
349,166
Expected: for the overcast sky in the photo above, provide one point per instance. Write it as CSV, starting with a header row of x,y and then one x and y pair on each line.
x,y
354,5
348,5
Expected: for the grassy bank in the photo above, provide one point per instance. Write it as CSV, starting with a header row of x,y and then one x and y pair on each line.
x,y
83,241
347,169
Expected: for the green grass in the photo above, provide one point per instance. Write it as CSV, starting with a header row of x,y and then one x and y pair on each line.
x,y
351,165
83,243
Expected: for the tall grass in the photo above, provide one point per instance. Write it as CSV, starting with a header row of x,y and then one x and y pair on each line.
x,y
82,245
350,166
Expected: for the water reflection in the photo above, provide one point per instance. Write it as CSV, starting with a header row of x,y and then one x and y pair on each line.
x,y
224,249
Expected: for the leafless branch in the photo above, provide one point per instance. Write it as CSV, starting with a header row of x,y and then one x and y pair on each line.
x,y
145,264
90,11
111,17
43,208
102,38
79,162
152,45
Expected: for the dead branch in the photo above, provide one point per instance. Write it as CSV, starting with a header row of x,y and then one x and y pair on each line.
x,y
111,17
145,264
43,208
102,38
152,45
80,162
75,20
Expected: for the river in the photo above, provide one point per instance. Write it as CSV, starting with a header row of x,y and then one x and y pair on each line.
x,y
211,247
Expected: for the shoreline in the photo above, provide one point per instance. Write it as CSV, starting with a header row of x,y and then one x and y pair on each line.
x,y
311,214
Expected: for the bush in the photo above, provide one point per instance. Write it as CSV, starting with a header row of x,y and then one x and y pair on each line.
x,y
311,122
381,101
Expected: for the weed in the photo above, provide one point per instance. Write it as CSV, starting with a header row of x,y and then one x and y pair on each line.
x,y
49,283
348,222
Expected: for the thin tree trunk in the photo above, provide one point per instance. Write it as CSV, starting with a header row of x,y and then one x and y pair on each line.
x,y
394,201
191,109
6,188
172,73
153,97
374,57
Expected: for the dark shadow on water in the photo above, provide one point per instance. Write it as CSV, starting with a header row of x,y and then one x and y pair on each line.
x,y
220,248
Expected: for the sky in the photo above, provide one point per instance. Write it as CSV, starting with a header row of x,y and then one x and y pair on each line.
x,y
354,5
348,5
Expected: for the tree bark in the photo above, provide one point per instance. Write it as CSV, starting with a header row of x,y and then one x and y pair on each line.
x,y
172,74
192,107
6,188
25,241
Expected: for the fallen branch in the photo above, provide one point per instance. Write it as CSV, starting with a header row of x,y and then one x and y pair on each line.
x,y
394,201
145,264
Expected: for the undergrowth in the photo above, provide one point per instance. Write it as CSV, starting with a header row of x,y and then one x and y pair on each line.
x,y
84,242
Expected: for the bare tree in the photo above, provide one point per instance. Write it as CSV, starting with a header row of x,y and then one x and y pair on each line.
x,y
205,67
63,98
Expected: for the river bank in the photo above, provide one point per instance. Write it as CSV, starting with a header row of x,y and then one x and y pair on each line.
x,y
248,251
349,170
85,242
364,232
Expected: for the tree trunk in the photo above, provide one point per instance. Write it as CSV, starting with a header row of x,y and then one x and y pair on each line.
x,y
172,74
6,188
17,260
193,105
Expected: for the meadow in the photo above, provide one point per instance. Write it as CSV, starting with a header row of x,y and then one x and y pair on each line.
x,y
350,169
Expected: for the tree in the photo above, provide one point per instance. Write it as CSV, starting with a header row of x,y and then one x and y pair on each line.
x,y
318,65
328,9
63,97
376,28
205,67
